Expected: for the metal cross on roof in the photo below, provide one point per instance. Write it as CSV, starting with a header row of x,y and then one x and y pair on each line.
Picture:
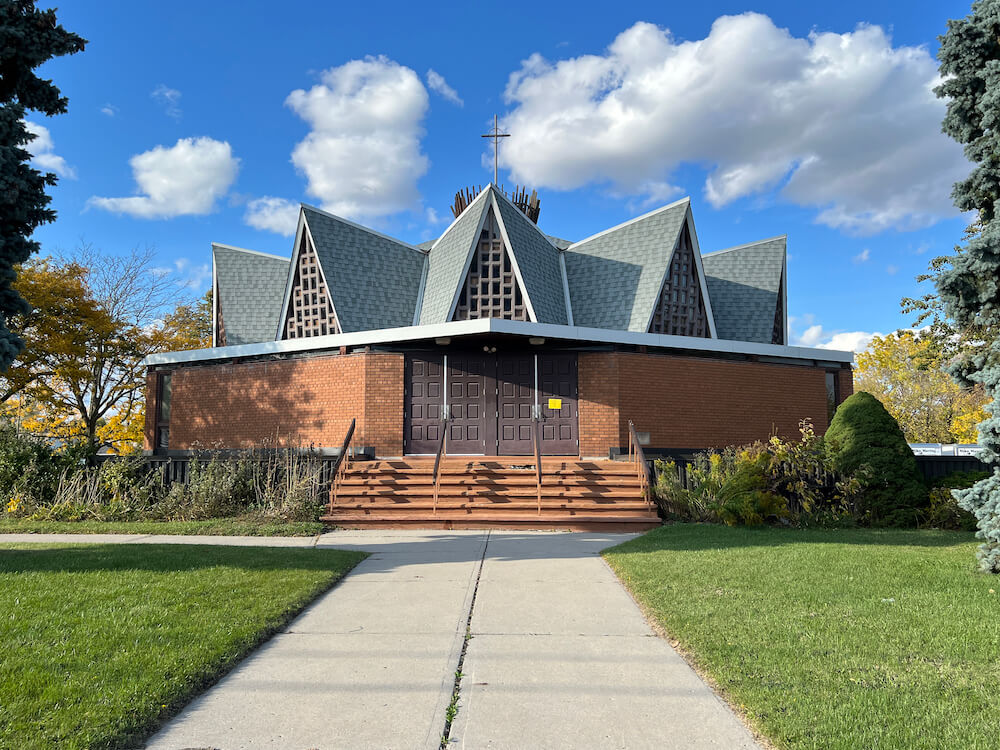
x,y
496,135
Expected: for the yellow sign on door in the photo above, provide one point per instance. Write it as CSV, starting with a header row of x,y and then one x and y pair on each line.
x,y
555,404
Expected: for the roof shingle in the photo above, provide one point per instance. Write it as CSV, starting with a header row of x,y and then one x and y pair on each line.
x,y
615,277
538,261
374,280
744,283
251,288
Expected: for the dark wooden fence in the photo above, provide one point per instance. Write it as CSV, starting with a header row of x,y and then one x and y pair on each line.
x,y
931,467
935,467
177,468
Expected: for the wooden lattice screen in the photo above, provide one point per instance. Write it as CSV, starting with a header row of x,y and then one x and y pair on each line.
x,y
491,289
778,331
310,311
680,311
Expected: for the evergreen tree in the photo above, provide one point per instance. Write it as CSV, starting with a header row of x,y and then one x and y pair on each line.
x,y
864,440
28,38
969,284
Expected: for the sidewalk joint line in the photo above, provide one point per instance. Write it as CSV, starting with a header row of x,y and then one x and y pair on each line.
x,y
452,712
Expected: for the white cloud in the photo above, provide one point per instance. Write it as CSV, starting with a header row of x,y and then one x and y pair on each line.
x,y
362,157
815,336
845,124
433,217
43,154
863,257
109,109
849,341
184,179
437,84
273,215
892,270
169,99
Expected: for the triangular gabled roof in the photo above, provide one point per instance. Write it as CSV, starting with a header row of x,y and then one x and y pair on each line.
x,y
536,258
248,287
374,280
448,261
615,276
745,283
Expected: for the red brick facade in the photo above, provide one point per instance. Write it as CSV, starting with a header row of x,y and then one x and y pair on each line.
x,y
682,402
692,402
286,402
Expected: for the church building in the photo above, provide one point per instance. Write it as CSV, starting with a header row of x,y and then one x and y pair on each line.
x,y
489,328
495,336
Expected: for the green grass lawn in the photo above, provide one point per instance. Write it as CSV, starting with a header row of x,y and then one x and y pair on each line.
x,y
849,639
99,644
213,527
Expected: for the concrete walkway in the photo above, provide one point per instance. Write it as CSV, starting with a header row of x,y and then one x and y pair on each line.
x,y
559,655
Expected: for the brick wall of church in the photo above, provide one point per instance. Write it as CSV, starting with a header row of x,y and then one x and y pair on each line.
x,y
691,402
683,402
252,404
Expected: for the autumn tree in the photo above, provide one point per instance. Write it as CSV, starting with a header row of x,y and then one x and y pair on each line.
x,y
904,371
89,383
968,282
56,323
189,326
28,38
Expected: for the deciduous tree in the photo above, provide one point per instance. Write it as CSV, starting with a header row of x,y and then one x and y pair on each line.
x,y
28,38
89,383
904,371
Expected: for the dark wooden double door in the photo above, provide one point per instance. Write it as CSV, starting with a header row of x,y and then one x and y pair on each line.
x,y
492,401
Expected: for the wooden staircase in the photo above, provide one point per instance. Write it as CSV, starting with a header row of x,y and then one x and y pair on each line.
x,y
490,492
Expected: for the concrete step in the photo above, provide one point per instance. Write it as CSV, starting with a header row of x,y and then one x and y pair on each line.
x,y
608,524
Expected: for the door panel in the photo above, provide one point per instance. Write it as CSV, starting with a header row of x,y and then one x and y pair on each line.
x,y
422,399
491,398
557,379
468,376
515,389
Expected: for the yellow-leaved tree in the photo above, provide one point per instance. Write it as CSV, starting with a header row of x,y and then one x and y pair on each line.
x,y
903,371
94,318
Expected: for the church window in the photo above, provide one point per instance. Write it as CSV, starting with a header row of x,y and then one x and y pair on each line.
x,y
680,310
310,310
491,289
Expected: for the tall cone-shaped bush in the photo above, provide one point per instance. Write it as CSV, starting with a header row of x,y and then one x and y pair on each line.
x,y
864,439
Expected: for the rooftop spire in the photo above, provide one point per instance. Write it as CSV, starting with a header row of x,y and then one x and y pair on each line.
x,y
496,135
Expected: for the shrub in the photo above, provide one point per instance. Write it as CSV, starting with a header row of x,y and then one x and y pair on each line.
x,y
285,485
775,482
943,510
865,440
29,470
120,490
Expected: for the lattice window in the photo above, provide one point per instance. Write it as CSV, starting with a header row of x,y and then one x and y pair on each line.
x,y
310,310
778,331
680,311
491,289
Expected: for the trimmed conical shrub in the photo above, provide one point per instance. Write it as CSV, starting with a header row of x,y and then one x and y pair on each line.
x,y
866,441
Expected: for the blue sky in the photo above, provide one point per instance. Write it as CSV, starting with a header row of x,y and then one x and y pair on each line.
x,y
190,123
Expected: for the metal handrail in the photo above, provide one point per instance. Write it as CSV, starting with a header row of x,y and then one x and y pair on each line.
x,y
638,457
340,465
536,439
441,451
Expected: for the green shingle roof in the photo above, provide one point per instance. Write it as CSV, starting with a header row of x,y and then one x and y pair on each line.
x,y
374,280
538,261
744,283
447,259
615,277
251,288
